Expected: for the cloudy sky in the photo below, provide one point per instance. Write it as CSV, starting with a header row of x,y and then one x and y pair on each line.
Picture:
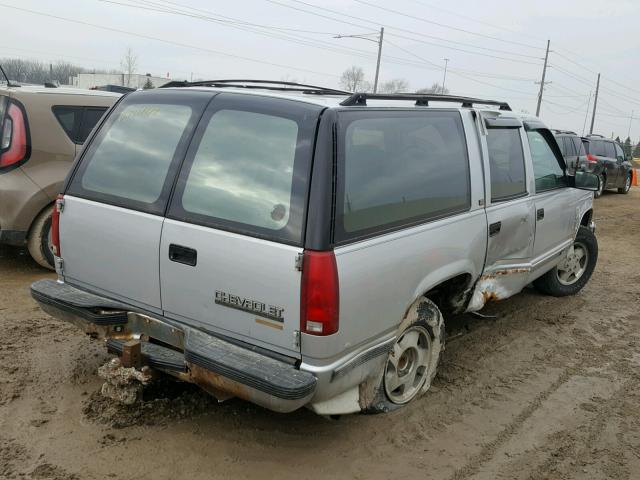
x,y
495,47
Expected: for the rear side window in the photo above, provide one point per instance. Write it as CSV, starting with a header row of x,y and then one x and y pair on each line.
x,y
586,145
597,148
77,122
89,120
609,150
398,169
69,119
569,149
579,146
561,144
619,152
506,163
133,159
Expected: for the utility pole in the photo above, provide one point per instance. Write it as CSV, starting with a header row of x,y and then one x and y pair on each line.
x,y
544,74
586,114
630,120
375,83
595,104
444,77
365,36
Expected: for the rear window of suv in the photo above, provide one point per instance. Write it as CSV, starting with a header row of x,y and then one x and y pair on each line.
x,y
247,168
132,160
399,168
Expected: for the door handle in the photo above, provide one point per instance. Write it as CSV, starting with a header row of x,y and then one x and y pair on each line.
x,y
494,229
540,214
184,255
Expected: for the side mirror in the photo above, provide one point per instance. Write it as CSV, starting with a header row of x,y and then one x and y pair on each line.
x,y
586,181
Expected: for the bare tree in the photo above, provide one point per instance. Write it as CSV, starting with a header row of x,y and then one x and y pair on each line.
x,y
434,88
352,79
397,85
129,64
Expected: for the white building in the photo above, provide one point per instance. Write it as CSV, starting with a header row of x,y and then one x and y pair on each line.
x,y
90,80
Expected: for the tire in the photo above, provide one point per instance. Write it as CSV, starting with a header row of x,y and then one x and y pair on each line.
x,y
416,352
40,238
598,193
571,275
627,186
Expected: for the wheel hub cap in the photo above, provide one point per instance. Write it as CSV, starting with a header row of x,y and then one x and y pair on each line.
x,y
408,365
571,269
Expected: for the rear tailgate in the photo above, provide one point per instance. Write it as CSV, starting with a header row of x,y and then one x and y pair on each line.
x,y
234,228
114,205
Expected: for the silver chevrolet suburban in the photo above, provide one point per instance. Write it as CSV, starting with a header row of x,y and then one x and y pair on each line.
x,y
295,246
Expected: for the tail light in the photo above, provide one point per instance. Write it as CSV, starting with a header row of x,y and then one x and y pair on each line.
x,y
55,225
319,295
591,158
14,143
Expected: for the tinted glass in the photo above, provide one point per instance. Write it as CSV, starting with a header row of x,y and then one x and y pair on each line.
x,y
586,144
609,150
506,163
547,171
561,144
91,117
569,149
131,159
619,152
243,169
598,148
400,169
579,146
69,119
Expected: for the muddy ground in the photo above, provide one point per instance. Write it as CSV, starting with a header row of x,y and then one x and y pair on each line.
x,y
549,388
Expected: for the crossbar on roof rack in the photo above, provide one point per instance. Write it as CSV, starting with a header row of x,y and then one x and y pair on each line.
x,y
422,100
259,84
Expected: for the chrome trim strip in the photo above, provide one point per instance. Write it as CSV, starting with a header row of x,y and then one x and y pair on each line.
x,y
363,357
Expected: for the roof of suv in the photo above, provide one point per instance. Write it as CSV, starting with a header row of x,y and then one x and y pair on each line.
x,y
39,89
333,98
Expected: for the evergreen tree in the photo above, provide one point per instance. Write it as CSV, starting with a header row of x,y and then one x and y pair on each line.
x,y
148,84
636,151
627,147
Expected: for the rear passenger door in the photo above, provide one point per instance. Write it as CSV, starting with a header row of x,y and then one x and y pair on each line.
x,y
234,228
555,203
115,203
510,206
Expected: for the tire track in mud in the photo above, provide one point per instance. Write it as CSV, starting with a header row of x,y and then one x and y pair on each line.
x,y
585,360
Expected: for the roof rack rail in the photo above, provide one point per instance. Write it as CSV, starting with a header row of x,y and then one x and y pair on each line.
x,y
595,135
259,84
567,132
421,99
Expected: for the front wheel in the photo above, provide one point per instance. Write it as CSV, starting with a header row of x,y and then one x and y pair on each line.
x,y
627,185
574,271
412,363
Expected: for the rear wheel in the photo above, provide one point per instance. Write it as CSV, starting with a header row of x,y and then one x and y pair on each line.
x,y
39,243
627,185
412,363
574,271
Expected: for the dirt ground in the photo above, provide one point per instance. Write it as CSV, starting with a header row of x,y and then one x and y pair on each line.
x,y
549,388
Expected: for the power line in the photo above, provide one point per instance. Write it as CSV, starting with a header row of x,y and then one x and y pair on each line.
x,y
387,26
169,42
452,71
390,10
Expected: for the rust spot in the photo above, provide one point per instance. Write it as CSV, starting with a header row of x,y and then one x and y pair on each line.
x,y
490,296
507,271
220,387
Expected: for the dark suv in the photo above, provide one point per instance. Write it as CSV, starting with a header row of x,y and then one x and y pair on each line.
x,y
574,150
616,168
